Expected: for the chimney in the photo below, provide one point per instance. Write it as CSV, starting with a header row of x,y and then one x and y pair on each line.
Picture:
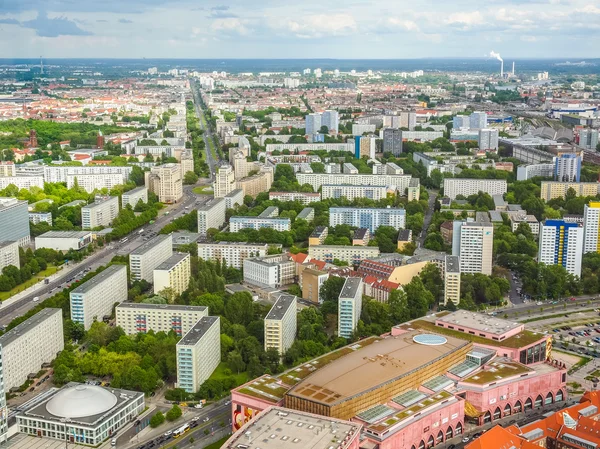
x,y
513,70
501,69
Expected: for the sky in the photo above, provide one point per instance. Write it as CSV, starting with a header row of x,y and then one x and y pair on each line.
x,y
350,29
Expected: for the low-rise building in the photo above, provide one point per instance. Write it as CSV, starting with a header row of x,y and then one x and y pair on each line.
x,y
39,217
134,318
308,214
518,217
146,257
361,237
280,324
133,197
234,253
63,240
349,254
404,238
9,255
31,344
174,273
100,213
94,299
198,353
211,215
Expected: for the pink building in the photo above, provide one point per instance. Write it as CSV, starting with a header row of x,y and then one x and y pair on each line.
x,y
253,397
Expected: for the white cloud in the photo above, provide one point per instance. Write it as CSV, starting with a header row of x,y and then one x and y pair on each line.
x,y
320,25
231,25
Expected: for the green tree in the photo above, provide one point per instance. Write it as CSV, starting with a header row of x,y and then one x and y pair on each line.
x,y
174,413
157,419
235,362
190,178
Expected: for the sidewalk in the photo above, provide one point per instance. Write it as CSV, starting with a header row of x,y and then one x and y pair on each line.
x,y
28,291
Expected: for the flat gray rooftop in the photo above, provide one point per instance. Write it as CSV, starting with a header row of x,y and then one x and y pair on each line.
x,y
305,213
209,205
479,321
350,287
136,190
172,261
7,243
170,307
318,231
281,306
198,331
99,203
98,279
27,325
452,264
64,234
143,249
233,193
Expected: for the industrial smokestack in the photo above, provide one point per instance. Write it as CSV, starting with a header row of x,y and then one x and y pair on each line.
x,y
513,70
502,69
493,54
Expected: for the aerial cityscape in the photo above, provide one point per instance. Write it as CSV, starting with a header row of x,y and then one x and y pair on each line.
x,y
297,226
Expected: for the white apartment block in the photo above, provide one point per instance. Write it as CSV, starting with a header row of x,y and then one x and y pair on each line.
x,y
166,181
234,198
561,243
63,240
331,120
224,181
279,224
145,258
525,172
7,168
300,147
280,324
421,136
518,217
359,130
488,139
132,197
350,254
53,173
14,221
134,318
316,180
22,182
198,353
29,345
591,228
273,271
94,299
301,197
312,123
3,408
174,273
9,254
100,213
234,253
367,217
89,183
473,243
39,217
452,280
349,306
352,192
466,187
211,215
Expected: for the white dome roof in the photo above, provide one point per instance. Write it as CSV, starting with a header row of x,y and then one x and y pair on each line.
x,y
81,401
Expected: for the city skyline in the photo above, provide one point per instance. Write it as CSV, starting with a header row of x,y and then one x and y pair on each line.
x,y
363,29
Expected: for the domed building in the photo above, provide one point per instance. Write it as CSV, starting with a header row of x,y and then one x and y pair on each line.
x,y
81,413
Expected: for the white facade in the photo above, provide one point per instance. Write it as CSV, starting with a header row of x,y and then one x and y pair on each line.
x,y
312,123
273,271
466,187
367,217
198,353
478,120
132,197
3,408
234,253
359,130
234,198
331,120
63,240
28,346
100,213
134,318
211,215
352,192
173,273
279,224
350,254
280,324
14,221
166,181
53,173
39,217
9,254
94,299
525,172
22,182
561,244
89,183
302,197
473,243
316,180
224,181
591,227
145,258
292,147
488,139
7,168
421,136
349,306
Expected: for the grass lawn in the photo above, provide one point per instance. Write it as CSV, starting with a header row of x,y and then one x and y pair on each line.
x,y
34,280
217,444
203,190
219,374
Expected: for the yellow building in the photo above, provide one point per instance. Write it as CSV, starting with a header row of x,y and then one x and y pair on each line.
x,y
173,273
258,183
318,236
556,189
404,274
312,280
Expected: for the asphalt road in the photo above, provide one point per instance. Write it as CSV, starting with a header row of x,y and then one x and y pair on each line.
x,y
433,194
207,135
99,258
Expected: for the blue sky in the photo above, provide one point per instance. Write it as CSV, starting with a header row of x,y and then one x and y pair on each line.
x,y
305,29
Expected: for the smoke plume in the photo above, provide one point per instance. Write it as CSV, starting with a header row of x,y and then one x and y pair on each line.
x,y
493,54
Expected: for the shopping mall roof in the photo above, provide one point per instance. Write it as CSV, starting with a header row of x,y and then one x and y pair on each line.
x,y
384,361
480,322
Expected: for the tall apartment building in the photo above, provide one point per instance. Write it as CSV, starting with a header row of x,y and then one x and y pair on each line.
x,y
22,182
211,215
132,197
588,138
466,186
98,181
7,169
198,353
312,123
187,161
567,168
134,318
591,227
145,258
461,121
312,281
279,224
478,120
14,221
9,255
488,139
367,217
166,181
234,198
274,271
280,324
301,197
234,253
544,170
392,141
3,407
555,189
452,280
94,299
561,243
316,180
473,243
57,173
349,306
360,129
331,120
224,181
365,146
28,346
174,273
408,119
350,254
100,213
352,192
421,136
261,182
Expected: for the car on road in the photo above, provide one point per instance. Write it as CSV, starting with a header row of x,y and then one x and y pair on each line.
x,y
465,439
206,419
168,433
572,298
36,298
